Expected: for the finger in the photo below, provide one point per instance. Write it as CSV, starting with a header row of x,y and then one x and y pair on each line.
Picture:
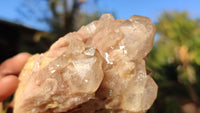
x,y
8,85
8,71
13,65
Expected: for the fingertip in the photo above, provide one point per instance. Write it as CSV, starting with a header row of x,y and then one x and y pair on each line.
x,y
8,85
24,55
14,65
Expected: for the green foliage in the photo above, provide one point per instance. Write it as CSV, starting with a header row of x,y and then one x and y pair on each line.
x,y
172,105
175,61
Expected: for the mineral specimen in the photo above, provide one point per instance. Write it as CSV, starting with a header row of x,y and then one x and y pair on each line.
x,y
98,69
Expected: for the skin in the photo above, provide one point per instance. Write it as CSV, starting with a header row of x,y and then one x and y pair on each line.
x,y
9,71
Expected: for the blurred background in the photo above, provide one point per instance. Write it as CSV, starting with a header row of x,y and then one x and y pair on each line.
x,y
33,25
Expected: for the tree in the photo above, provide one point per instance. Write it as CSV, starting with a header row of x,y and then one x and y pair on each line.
x,y
62,16
175,61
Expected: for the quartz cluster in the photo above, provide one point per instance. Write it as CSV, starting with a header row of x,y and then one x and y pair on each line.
x,y
98,69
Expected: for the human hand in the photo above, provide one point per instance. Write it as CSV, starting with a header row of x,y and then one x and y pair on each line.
x,y
9,71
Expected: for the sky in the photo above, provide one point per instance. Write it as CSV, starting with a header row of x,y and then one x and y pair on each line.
x,y
10,10
150,8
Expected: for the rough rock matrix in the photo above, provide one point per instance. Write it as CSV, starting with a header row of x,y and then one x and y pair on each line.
x,y
98,69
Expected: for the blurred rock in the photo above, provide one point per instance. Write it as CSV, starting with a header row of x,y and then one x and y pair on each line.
x,y
100,68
